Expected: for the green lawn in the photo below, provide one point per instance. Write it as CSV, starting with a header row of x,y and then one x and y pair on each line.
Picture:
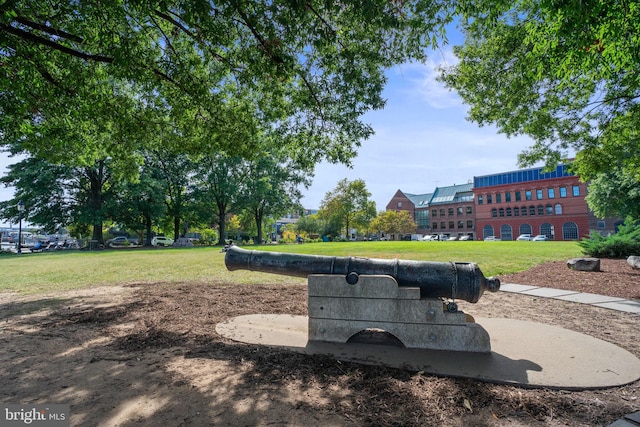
x,y
56,271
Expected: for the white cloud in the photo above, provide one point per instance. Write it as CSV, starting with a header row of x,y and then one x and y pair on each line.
x,y
423,81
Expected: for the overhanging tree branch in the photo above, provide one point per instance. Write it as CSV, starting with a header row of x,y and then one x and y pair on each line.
x,y
25,35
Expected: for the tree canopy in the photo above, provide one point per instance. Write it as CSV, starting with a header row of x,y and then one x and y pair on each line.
x,y
347,207
392,222
563,73
218,74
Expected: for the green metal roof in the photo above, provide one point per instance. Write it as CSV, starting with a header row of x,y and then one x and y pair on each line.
x,y
451,193
419,200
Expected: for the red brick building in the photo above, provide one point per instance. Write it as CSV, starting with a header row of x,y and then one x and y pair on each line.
x,y
448,211
506,205
416,204
531,201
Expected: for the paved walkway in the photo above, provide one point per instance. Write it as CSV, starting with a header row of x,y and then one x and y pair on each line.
x,y
613,303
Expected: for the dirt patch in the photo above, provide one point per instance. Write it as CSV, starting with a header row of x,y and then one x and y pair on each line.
x,y
149,355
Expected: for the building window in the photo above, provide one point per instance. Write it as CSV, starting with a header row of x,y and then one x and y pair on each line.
x,y
505,232
460,224
487,231
498,198
451,225
507,197
540,210
516,211
435,226
548,210
469,224
558,209
563,192
547,230
494,213
569,231
460,210
441,212
434,212
524,211
450,211
576,190
518,196
489,199
527,195
422,218
539,194
501,212
532,210
551,193
480,200
399,205
469,210
509,212
601,224
443,225
525,229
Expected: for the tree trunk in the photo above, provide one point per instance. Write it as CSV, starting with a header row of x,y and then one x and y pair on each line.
x,y
221,229
176,227
97,232
96,182
148,224
258,217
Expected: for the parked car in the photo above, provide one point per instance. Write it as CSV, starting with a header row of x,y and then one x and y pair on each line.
x,y
118,241
491,239
452,238
428,237
161,241
465,237
540,238
525,237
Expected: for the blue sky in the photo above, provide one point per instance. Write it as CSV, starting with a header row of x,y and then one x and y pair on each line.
x,y
422,140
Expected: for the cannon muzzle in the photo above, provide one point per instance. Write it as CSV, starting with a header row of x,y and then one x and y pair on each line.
x,y
455,280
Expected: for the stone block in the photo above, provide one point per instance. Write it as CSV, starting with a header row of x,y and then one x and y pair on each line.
x,y
339,311
634,262
584,264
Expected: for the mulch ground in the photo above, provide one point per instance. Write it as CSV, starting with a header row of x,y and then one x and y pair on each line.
x,y
148,354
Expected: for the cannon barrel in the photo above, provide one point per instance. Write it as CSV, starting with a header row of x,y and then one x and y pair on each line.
x,y
456,280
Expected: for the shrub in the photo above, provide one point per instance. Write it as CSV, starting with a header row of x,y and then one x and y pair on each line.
x,y
620,245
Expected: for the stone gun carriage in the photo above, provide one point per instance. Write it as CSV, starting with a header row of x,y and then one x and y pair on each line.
x,y
348,295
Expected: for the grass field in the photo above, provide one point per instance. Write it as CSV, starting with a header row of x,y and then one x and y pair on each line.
x,y
64,270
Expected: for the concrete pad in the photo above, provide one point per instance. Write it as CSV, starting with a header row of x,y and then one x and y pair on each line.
x,y
514,287
523,353
548,292
635,417
586,298
625,305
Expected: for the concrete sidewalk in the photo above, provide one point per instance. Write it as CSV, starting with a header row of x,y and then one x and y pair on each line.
x,y
613,303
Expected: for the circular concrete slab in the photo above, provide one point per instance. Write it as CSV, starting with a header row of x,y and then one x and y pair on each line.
x,y
523,353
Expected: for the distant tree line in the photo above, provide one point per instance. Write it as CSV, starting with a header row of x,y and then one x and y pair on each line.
x,y
165,192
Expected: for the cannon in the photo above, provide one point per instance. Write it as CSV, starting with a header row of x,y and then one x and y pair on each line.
x,y
451,280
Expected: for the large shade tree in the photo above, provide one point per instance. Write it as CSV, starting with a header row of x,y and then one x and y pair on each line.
x,y
216,188
220,71
57,196
347,206
271,188
563,73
